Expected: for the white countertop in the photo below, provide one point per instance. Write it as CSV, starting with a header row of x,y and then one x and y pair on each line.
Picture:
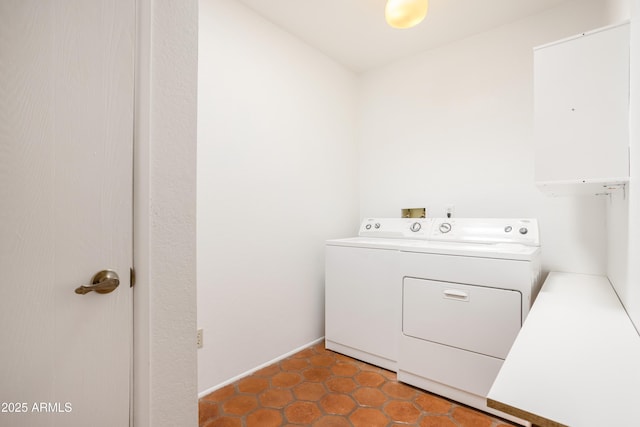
x,y
576,360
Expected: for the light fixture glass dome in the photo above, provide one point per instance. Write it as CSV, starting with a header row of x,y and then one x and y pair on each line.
x,y
405,13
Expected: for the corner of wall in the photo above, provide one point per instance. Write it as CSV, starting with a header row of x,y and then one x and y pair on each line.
x,y
164,377
276,178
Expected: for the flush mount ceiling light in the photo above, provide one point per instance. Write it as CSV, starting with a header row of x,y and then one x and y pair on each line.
x,y
405,13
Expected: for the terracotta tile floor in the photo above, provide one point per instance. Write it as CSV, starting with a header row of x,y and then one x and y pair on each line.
x,y
320,388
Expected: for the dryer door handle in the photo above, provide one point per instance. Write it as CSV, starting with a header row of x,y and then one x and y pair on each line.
x,y
456,294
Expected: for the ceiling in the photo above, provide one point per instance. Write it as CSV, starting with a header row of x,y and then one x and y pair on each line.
x,y
354,32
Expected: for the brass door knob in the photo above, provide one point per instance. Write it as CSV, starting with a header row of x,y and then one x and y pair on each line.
x,y
102,282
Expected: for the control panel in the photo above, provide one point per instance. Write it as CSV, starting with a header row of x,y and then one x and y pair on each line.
x,y
471,230
486,230
400,228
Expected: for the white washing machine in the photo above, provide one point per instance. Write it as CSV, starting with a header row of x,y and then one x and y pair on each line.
x,y
363,294
439,301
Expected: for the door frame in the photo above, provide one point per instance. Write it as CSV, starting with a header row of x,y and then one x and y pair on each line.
x,y
164,350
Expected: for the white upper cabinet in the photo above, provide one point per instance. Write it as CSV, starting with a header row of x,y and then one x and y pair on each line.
x,y
581,112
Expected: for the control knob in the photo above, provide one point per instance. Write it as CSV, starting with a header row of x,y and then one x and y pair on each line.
x,y
368,226
523,230
416,226
445,227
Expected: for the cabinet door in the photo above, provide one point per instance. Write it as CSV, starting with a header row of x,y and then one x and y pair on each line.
x,y
581,91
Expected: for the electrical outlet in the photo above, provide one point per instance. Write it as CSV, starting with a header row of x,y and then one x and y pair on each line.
x,y
199,342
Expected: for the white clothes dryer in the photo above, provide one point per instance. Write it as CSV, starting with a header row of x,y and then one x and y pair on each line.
x,y
466,292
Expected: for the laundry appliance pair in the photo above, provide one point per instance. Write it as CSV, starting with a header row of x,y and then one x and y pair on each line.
x,y
437,300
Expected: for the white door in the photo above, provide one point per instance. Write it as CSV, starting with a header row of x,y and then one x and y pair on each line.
x,y
66,126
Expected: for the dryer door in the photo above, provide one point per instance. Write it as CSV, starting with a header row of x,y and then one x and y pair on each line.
x,y
474,318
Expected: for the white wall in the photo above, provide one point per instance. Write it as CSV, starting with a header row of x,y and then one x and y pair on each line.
x,y
624,212
277,176
164,215
632,302
454,126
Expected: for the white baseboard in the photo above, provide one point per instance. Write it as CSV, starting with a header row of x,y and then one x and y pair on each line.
x,y
257,368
